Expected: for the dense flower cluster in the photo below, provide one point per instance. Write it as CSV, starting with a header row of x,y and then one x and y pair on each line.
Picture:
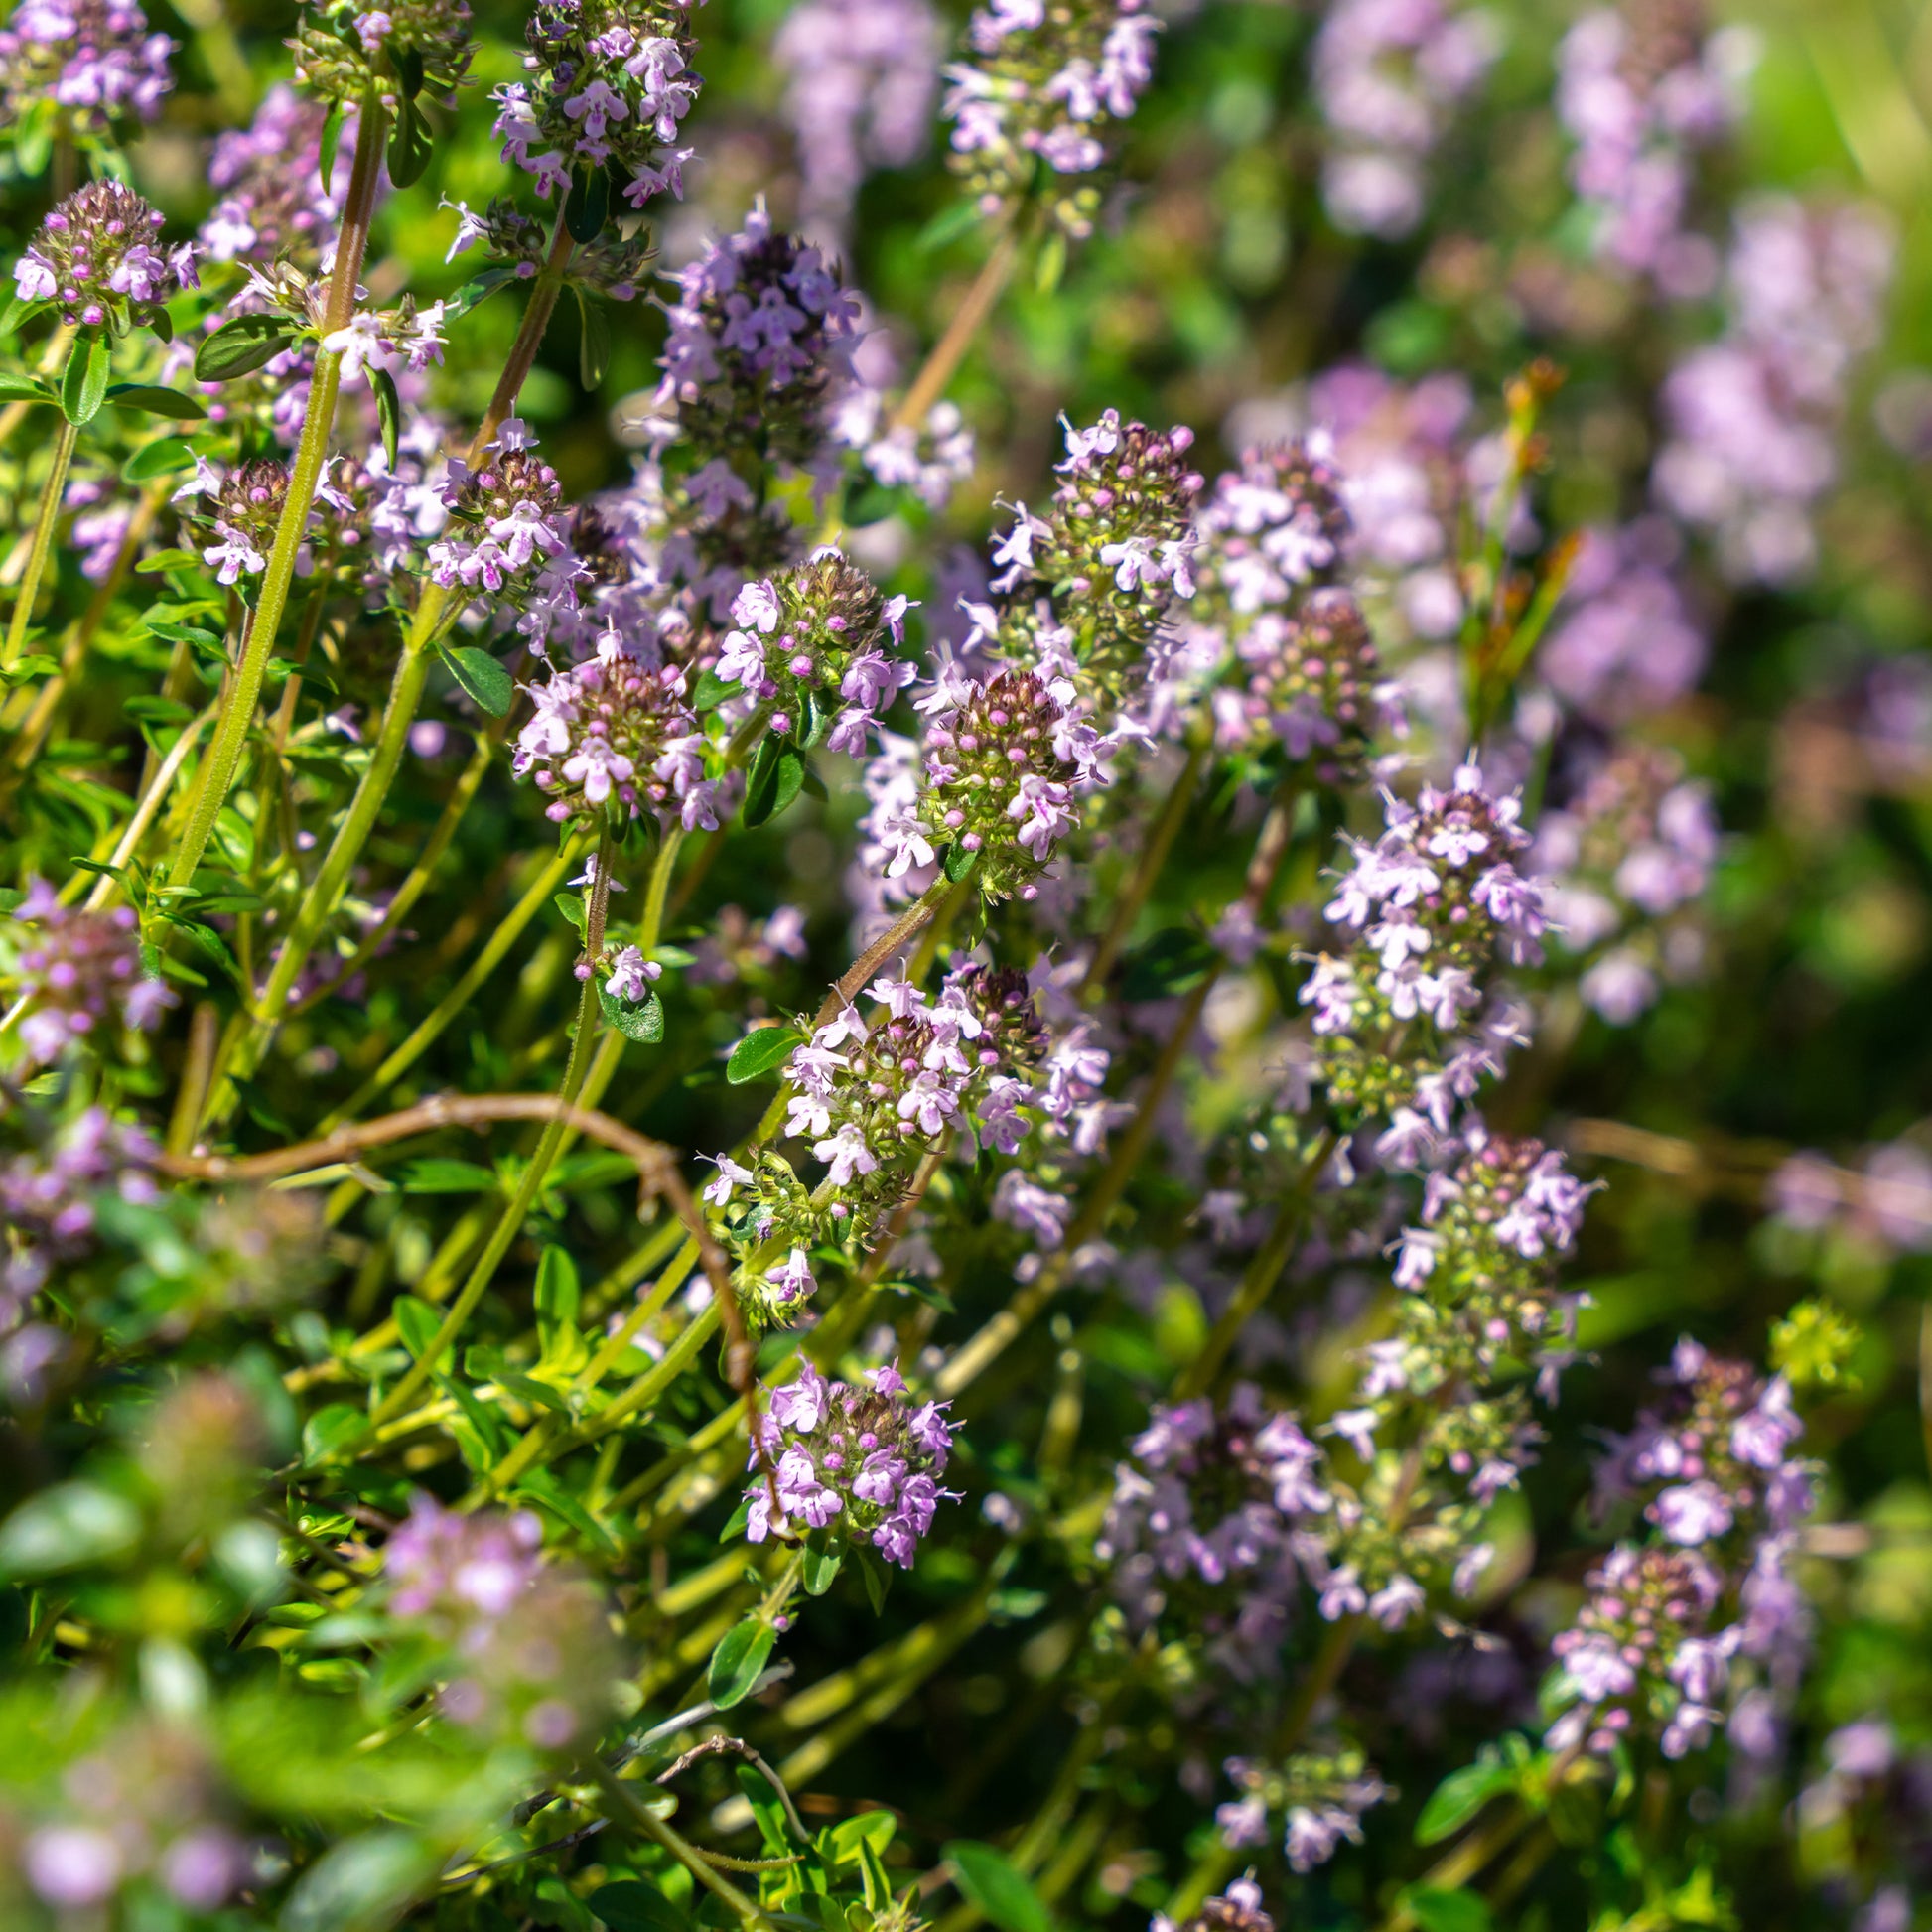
x,y
761,334
1640,92
873,1097
346,45
1633,846
1207,1518
92,62
615,736
1118,542
507,524
527,1648
811,636
1430,908
75,972
1044,83
610,81
1388,74
1753,415
859,1465
1000,766
95,257
1713,1471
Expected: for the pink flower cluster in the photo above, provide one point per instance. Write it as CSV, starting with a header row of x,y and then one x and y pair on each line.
x,y
862,1464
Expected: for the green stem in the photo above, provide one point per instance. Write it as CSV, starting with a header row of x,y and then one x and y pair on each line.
x,y
534,1175
632,1810
434,611
311,453
50,511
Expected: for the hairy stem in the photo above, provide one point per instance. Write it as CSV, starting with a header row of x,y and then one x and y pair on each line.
x,y
49,513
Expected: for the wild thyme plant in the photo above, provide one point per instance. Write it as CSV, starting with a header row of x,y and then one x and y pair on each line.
x,y
822,1111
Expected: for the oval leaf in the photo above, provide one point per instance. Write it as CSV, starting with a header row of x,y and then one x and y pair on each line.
x,y
157,458
242,346
822,1563
480,674
736,1664
409,144
988,1879
644,1021
388,411
23,388
152,400
759,1053
1435,1910
84,385
1457,1799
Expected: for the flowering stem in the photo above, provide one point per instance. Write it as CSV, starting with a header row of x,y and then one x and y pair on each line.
x,y
30,581
150,803
548,286
1153,856
433,614
534,1174
1011,1321
224,755
950,350
905,928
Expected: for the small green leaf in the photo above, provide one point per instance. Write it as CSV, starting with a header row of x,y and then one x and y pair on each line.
x,y
571,905
152,400
636,1906
483,677
388,411
23,388
332,135
158,711
408,64
1435,1910
947,225
712,691
741,1654
1457,1799
586,209
988,1879
557,1286
739,1517
242,346
166,560
191,634
410,145
760,1053
439,1176
594,347
417,1323
157,458
777,775
823,1559
20,309
644,1021
67,1527
958,862
873,1828
329,1429
83,387
876,1578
